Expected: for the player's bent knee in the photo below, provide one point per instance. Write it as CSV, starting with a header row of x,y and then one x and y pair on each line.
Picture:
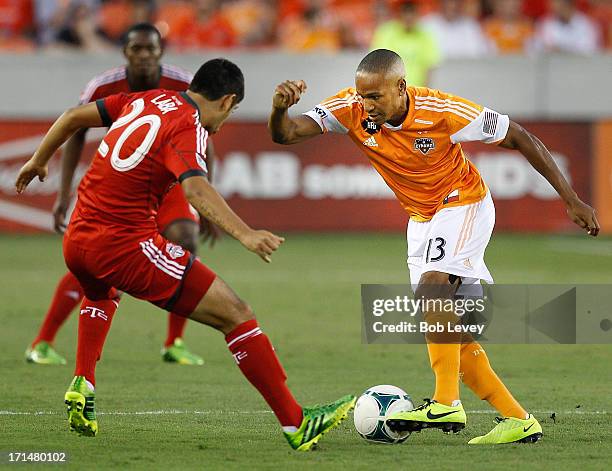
x,y
221,308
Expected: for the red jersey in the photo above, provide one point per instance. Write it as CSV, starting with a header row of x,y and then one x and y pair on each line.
x,y
155,139
116,81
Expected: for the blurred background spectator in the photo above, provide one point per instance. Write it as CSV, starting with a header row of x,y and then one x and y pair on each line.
x,y
461,28
406,36
310,28
16,25
70,24
195,25
458,35
116,16
566,29
508,29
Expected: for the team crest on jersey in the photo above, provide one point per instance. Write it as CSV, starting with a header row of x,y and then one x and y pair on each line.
x,y
424,144
175,251
369,126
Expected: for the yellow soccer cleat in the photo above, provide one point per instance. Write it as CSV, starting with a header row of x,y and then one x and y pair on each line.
x,y
317,421
178,353
79,400
432,414
511,430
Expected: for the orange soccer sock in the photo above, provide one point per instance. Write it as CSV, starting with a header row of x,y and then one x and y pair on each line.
x,y
478,375
444,359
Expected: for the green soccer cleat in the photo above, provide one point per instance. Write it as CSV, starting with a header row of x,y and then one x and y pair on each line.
x,y
511,430
178,353
44,354
431,414
317,421
79,400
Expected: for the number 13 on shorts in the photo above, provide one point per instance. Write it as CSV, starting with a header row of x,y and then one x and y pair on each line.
x,y
453,241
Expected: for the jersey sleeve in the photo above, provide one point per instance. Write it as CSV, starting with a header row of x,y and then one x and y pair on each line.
x,y
469,122
90,93
187,156
111,106
337,113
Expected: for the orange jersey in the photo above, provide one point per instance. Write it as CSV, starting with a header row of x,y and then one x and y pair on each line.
x,y
421,160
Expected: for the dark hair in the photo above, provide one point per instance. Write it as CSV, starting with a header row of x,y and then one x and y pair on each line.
x,y
140,28
218,77
379,60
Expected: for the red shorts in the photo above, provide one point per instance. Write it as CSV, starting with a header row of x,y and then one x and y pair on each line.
x,y
175,207
155,270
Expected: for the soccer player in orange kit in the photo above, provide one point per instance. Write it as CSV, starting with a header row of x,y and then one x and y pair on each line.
x,y
412,136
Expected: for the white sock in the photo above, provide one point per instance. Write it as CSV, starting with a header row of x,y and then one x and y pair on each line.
x,y
89,385
456,403
290,429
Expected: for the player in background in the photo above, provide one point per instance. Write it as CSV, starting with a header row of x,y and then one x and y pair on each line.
x,y
412,136
112,242
176,220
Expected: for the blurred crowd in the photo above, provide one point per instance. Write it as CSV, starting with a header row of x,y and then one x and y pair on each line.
x,y
430,29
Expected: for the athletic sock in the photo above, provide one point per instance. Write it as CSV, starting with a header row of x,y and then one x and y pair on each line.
x,y
256,359
478,375
94,323
67,296
176,327
444,360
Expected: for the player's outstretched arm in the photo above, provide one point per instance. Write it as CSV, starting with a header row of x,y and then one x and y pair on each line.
x,y
211,205
540,158
286,130
85,116
70,159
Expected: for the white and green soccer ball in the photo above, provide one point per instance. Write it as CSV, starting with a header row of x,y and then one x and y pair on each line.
x,y
376,404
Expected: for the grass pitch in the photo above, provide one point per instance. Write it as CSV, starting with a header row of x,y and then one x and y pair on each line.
x,y
157,416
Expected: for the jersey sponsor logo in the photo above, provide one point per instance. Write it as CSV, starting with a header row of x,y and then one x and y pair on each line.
x,y
175,251
369,126
320,112
94,312
370,142
424,144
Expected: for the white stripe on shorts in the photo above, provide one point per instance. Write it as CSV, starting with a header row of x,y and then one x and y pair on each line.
x,y
161,262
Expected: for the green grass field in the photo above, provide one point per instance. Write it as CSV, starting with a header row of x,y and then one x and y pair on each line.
x,y
159,416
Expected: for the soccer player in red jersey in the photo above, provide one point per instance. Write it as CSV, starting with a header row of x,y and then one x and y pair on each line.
x,y
176,219
158,138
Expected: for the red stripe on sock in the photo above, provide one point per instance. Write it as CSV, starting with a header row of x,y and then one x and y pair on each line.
x,y
67,296
256,359
94,323
176,327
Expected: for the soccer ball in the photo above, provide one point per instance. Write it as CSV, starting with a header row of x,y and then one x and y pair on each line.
x,y
374,405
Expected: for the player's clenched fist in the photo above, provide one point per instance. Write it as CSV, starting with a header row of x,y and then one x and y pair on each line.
x,y
288,93
263,243
27,174
584,216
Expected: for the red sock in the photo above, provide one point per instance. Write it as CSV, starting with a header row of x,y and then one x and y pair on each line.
x,y
256,359
66,297
176,327
94,323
